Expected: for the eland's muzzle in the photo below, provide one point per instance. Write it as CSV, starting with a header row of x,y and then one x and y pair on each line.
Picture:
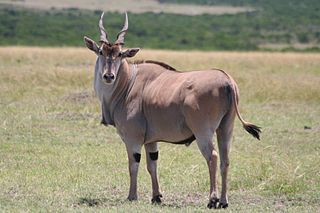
x,y
108,77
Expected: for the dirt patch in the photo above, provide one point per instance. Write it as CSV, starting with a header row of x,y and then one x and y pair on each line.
x,y
312,128
179,200
114,199
91,202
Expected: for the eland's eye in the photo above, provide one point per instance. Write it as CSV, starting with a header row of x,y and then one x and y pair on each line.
x,y
100,52
120,54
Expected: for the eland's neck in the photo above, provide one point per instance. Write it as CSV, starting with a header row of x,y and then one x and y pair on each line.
x,y
112,95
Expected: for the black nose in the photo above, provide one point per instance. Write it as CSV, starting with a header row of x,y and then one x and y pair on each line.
x,y
108,77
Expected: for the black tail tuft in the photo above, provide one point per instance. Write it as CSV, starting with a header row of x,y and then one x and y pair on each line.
x,y
253,130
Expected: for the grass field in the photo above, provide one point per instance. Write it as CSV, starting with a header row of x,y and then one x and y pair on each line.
x,y
55,156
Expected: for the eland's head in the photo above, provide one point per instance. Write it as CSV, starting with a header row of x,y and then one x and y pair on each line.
x,y
110,55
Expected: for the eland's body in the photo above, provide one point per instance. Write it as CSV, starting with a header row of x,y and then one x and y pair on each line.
x,y
149,102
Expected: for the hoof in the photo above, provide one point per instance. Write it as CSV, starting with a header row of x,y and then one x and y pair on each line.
x,y
213,202
224,206
132,198
156,199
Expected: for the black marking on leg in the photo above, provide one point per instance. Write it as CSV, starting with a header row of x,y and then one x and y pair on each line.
x,y
213,202
137,157
156,199
154,155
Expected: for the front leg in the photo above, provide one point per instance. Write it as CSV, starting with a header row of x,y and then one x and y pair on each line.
x,y
152,157
134,157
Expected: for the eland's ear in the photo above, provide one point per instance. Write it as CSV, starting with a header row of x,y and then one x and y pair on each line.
x,y
91,45
130,52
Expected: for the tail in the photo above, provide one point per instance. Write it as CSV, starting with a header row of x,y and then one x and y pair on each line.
x,y
249,127
252,129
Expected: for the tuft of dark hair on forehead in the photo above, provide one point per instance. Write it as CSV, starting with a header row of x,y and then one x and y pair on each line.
x,y
111,48
167,66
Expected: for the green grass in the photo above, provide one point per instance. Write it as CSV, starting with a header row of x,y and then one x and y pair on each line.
x,y
55,156
286,25
140,6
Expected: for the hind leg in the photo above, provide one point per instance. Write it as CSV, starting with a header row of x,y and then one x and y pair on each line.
x,y
152,157
224,136
204,142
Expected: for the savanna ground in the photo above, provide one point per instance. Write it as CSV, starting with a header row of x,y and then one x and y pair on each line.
x,y
55,156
